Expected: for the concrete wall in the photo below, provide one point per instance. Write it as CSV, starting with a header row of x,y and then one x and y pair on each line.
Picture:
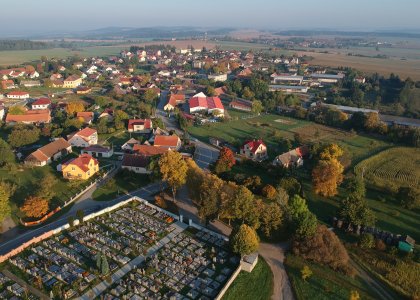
x,y
228,283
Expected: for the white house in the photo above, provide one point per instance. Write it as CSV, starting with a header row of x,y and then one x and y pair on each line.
x,y
218,77
135,163
84,138
41,103
18,95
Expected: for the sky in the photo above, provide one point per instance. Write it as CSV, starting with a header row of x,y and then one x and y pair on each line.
x,y
44,16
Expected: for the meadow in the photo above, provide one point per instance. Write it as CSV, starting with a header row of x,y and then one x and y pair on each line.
x,y
272,128
324,283
392,168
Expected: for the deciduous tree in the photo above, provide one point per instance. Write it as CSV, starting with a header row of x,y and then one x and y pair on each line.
x,y
244,240
326,177
173,169
269,192
6,153
35,207
74,107
6,190
225,161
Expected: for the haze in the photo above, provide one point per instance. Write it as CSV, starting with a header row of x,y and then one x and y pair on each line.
x,y
27,17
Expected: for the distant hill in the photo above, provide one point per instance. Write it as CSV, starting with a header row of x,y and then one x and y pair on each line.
x,y
349,33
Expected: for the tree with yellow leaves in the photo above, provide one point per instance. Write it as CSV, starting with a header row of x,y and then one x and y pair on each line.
x,y
328,173
173,169
354,295
74,107
35,207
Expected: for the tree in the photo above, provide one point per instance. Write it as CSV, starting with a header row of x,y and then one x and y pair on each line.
x,y
17,110
80,214
409,197
23,135
247,93
35,207
150,96
74,107
323,247
210,91
271,218
291,185
298,139
119,118
306,272
6,153
45,187
303,222
257,107
73,124
6,190
372,121
244,240
326,177
209,197
70,220
225,162
354,295
355,187
269,192
357,212
367,241
173,169
104,265
243,202
102,126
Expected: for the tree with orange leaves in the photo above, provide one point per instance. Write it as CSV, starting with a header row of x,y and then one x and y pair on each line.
x,y
74,107
35,207
328,173
225,162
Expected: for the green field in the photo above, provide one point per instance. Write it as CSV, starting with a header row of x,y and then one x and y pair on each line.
x,y
123,183
324,283
236,131
257,285
392,168
22,56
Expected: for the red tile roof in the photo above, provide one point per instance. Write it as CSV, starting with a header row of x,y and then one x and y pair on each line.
x,y
40,116
166,141
17,93
85,133
253,145
82,162
42,101
146,150
207,102
146,122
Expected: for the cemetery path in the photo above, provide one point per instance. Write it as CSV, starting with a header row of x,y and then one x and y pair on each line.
x,y
22,283
102,286
274,256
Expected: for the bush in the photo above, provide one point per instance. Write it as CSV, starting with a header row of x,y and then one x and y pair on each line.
x,y
380,245
323,247
366,241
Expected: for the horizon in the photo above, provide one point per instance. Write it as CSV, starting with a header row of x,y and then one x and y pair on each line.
x,y
46,17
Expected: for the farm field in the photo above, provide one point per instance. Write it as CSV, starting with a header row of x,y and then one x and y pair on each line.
x,y
257,285
404,68
22,56
324,283
271,128
392,168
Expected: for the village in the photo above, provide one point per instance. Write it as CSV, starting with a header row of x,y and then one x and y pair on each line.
x,y
211,129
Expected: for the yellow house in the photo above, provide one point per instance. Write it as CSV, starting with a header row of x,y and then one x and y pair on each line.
x,y
82,168
72,82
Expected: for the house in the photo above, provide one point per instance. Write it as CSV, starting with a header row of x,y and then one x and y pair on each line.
x,y
241,104
107,113
130,144
292,158
72,82
83,138
30,83
39,116
327,78
173,101
289,89
18,95
83,90
245,73
82,167
220,91
255,150
218,77
140,125
135,163
98,151
148,151
201,103
41,103
170,142
48,153
87,116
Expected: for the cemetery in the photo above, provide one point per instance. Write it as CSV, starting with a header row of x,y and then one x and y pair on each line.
x,y
133,250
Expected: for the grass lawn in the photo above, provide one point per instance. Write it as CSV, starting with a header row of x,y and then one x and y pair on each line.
x,y
271,128
27,180
257,285
324,283
123,183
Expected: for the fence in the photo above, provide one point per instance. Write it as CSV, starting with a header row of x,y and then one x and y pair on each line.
x,y
66,203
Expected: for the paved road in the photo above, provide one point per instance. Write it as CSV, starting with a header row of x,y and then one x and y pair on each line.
x,y
86,204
